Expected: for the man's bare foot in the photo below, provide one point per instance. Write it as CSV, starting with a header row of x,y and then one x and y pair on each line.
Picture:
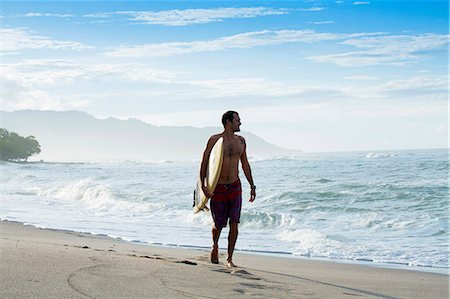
x,y
215,255
230,264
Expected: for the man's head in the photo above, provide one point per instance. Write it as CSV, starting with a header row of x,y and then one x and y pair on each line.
x,y
231,119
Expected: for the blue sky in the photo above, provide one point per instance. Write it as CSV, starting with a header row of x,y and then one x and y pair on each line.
x,y
311,75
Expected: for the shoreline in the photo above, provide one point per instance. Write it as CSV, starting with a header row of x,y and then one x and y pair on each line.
x,y
280,254
41,263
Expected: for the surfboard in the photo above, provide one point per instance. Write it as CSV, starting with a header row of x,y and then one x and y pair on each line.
x,y
212,176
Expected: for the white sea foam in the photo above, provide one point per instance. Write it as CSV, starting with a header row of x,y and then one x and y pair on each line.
x,y
202,218
257,219
19,178
380,155
309,242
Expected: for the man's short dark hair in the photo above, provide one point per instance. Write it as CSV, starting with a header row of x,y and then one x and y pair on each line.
x,y
229,115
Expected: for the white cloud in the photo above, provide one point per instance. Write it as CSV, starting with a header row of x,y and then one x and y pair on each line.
x,y
322,22
242,40
192,16
422,83
392,50
55,84
361,78
360,58
38,14
53,72
419,88
17,96
259,88
398,43
14,39
313,9
361,3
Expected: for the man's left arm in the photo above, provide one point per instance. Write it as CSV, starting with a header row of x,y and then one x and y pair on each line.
x,y
248,172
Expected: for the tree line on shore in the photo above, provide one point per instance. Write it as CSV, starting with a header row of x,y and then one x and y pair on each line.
x,y
15,148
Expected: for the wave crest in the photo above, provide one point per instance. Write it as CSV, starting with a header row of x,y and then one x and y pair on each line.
x,y
267,220
97,197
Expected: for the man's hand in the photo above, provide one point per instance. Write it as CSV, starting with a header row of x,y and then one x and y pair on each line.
x,y
252,195
206,192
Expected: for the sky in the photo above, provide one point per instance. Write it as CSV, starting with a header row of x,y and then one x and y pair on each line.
x,y
309,75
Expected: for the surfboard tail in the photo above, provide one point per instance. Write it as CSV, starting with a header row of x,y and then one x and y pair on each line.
x,y
197,209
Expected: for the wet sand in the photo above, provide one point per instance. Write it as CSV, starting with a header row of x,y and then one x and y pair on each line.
x,y
43,263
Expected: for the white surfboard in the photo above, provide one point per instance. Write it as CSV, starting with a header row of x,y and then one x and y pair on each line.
x,y
212,176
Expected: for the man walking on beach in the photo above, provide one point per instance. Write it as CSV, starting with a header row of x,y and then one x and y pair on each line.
x,y
226,199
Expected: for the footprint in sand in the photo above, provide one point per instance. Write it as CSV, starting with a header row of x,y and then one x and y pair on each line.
x,y
187,263
244,274
238,272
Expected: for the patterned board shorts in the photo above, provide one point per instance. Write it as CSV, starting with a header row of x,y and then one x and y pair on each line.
x,y
226,203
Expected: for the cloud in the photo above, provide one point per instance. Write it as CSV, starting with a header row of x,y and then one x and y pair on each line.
x,y
361,78
259,88
192,16
63,84
390,43
417,88
418,83
47,75
38,14
360,58
313,9
361,3
53,72
15,39
16,95
238,41
389,49
322,22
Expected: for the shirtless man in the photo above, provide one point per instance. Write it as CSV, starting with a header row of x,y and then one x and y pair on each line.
x,y
226,199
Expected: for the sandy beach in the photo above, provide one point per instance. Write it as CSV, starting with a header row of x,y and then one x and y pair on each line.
x,y
42,263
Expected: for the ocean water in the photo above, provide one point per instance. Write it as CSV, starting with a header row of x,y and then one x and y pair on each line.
x,y
383,208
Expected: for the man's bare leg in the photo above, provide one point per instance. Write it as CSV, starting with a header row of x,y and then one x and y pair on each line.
x,y
215,249
232,237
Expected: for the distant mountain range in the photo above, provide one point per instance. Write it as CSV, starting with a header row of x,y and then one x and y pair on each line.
x,y
78,136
